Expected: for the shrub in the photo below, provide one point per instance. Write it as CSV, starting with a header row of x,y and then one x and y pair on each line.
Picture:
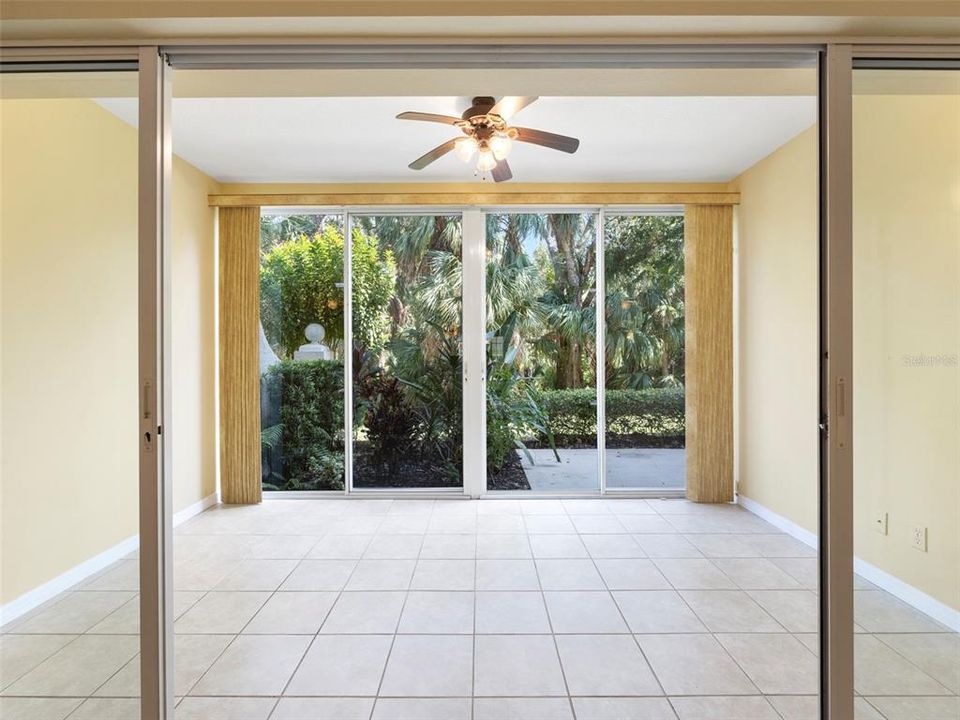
x,y
309,394
644,418
298,286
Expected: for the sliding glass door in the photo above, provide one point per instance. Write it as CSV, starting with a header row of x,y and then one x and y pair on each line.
x,y
406,359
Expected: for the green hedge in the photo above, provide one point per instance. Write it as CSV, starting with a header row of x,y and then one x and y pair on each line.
x,y
303,401
644,418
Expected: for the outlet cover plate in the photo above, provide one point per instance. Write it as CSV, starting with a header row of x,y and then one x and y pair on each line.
x,y
918,538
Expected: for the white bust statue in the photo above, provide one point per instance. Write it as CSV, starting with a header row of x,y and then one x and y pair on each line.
x,y
314,349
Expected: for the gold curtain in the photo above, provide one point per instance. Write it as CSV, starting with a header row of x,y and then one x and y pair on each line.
x,y
708,329
239,238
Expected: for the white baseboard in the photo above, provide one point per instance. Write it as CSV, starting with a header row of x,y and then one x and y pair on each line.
x,y
50,589
917,599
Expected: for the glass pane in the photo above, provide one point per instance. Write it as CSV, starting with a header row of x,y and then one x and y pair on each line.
x,y
301,351
906,385
69,343
407,364
541,352
644,361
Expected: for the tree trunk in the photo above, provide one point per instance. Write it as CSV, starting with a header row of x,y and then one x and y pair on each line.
x,y
569,368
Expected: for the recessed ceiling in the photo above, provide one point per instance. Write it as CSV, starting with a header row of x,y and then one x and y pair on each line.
x,y
358,140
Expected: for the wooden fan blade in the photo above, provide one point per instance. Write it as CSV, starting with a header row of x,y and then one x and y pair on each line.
x,y
428,117
509,106
547,139
438,152
502,171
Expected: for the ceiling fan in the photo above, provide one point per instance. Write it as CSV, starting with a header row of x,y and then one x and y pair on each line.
x,y
487,132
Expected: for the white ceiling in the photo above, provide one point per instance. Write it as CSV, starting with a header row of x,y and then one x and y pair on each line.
x,y
347,140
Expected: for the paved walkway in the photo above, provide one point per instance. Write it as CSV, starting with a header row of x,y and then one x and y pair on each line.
x,y
626,468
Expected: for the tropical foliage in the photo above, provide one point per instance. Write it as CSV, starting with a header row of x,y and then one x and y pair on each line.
x,y
541,305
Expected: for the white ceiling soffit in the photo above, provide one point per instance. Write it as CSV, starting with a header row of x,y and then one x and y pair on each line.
x,y
357,140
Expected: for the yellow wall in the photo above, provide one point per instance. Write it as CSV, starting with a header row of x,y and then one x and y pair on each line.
x,y
907,303
777,266
68,278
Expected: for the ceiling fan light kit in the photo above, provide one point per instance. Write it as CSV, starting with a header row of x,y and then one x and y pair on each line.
x,y
487,133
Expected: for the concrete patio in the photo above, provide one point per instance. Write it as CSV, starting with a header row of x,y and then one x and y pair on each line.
x,y
635,468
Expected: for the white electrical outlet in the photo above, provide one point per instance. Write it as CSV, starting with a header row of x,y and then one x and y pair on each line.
x,y
880,522
918,538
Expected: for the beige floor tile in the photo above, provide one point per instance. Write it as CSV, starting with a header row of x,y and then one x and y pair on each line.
x,y
694,665
254,665
404,525
511,612
224,708
657,611
292,613
612,546
667,546
500,524
320,575
507,574
605,665
549,525
917,708
356,672
108,709
541,506
729,611
526,708
257,575
422,709
220,613
778,664
192,657
444,575
503,547
558,546
806,571
629,506
621,708
412,507
498,506
122,576
796,610
126,619
19,654
73,612
631,574
585,506
12,708
517,666
394,547
796,707
781,545
455,524
353,525
723,708
937,654
693,574
365,612
646,525
584,612
608,524
756,574
429,666
449,547
445,613
880,612
281,547
79,668
381,575
879,670
725,545
290,708
736,522
569,575
340,547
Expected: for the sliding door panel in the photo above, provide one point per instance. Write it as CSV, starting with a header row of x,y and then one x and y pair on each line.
x,y
906,390
541,351
70,437
407,362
